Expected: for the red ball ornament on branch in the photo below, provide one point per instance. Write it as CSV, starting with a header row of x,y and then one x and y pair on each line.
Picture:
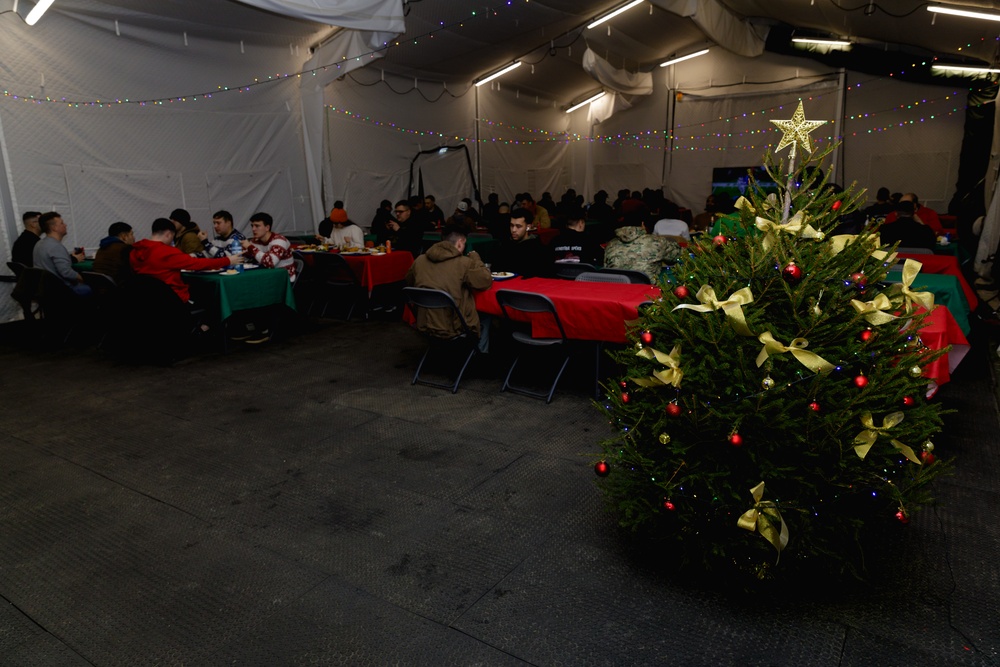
x,y
902,517
623,384
669,505
866,335
646,337
673,409
625,397
927,457
814,406
736,440
681,292
601,468
860,381
908,401
859,279
720,240
836,205
791,273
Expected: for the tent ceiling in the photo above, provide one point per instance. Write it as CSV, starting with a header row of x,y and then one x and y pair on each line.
x,y
444,43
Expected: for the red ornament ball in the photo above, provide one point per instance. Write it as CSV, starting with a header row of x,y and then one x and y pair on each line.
x,y
836,205
791,273
673,409
866,335
814,406
681,292
601,468
736,440
646,337
902,517
859,279
623,384
625,397
668,505
720,240
927,457
860,382
908,401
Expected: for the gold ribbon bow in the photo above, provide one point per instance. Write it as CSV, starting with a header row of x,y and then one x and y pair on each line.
x,y
864,440
671,375
771,202
911,268
810,360
795,225
841,241
751,520
872,310
732,306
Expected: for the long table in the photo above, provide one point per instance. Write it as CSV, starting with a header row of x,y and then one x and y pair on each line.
x,y
945,265
946,290
373,270
588,311
254,288
941,330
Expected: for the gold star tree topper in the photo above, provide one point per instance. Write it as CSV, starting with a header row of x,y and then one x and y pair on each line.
x,y
796,130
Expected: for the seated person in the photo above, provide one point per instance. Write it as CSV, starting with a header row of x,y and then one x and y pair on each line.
x,y
270,250
905,229
461,218
25,243
383,215
921,214
704,220
326,224
228,239
112,254
342,232
402,231
50,254
635,249
573,243
435,216
445,267
158,257
187,233
539,214
882,207
523,254
670,224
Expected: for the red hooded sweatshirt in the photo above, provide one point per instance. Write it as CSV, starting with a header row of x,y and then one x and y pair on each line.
x,y
164,262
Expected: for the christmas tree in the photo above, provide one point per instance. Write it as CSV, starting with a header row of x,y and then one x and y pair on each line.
x,y
772,412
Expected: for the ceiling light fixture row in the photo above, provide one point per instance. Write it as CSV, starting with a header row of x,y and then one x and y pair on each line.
x,y
36,12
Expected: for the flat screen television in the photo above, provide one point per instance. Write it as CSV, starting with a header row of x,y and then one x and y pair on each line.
x,y
735,181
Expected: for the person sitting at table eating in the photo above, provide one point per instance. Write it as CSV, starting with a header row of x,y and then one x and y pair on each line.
x,y
342,232
906,230
445,267
113,251
227,238
158,257
521,253
635,249
574,243
50,254
266,248
25,243
186,233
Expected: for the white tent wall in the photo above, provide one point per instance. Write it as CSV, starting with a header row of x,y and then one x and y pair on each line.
x,y
373,134
98,163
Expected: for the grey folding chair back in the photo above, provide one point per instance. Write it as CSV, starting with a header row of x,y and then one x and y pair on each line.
x,y
915,251
634,277
16,268
570,270
465,342
602,277
530,302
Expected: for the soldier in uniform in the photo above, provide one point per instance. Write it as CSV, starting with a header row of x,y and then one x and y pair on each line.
x,y
635,248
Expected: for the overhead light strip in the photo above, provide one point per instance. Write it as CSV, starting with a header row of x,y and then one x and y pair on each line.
x,y
963,12
966,69
587,101
499,73
608,17
37,11
824,42
682,58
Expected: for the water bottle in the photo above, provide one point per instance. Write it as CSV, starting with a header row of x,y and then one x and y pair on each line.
x,y
235,247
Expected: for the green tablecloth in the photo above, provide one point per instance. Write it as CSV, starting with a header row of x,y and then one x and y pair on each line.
x,y
85,265
255,288
947,292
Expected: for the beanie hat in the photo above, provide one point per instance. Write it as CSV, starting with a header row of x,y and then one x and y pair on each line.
x,y
338,215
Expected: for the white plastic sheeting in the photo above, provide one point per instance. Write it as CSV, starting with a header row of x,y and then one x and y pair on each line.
x,y
719,25
620,80
378,15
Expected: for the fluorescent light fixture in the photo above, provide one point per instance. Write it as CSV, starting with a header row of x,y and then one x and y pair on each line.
x,y
592,98
822,42
608,17
965,69
37,11
514,65
687,57
964,12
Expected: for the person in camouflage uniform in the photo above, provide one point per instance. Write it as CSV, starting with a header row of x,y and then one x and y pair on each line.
x,y
633,248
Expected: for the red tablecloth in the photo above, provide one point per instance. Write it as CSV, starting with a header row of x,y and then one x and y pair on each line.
x,y
945,264
588,311
939,331
374,270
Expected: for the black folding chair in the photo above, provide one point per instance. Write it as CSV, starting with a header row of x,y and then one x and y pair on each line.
x,y
334,277
16,268
530,302
465,341
570,270
601,277
105,293
634,277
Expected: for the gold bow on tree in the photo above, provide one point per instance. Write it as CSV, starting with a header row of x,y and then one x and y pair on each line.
x,y
864,440
841,241
763,517
795,225
671,375
872,310
732,306
911,268
771,202
810,360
